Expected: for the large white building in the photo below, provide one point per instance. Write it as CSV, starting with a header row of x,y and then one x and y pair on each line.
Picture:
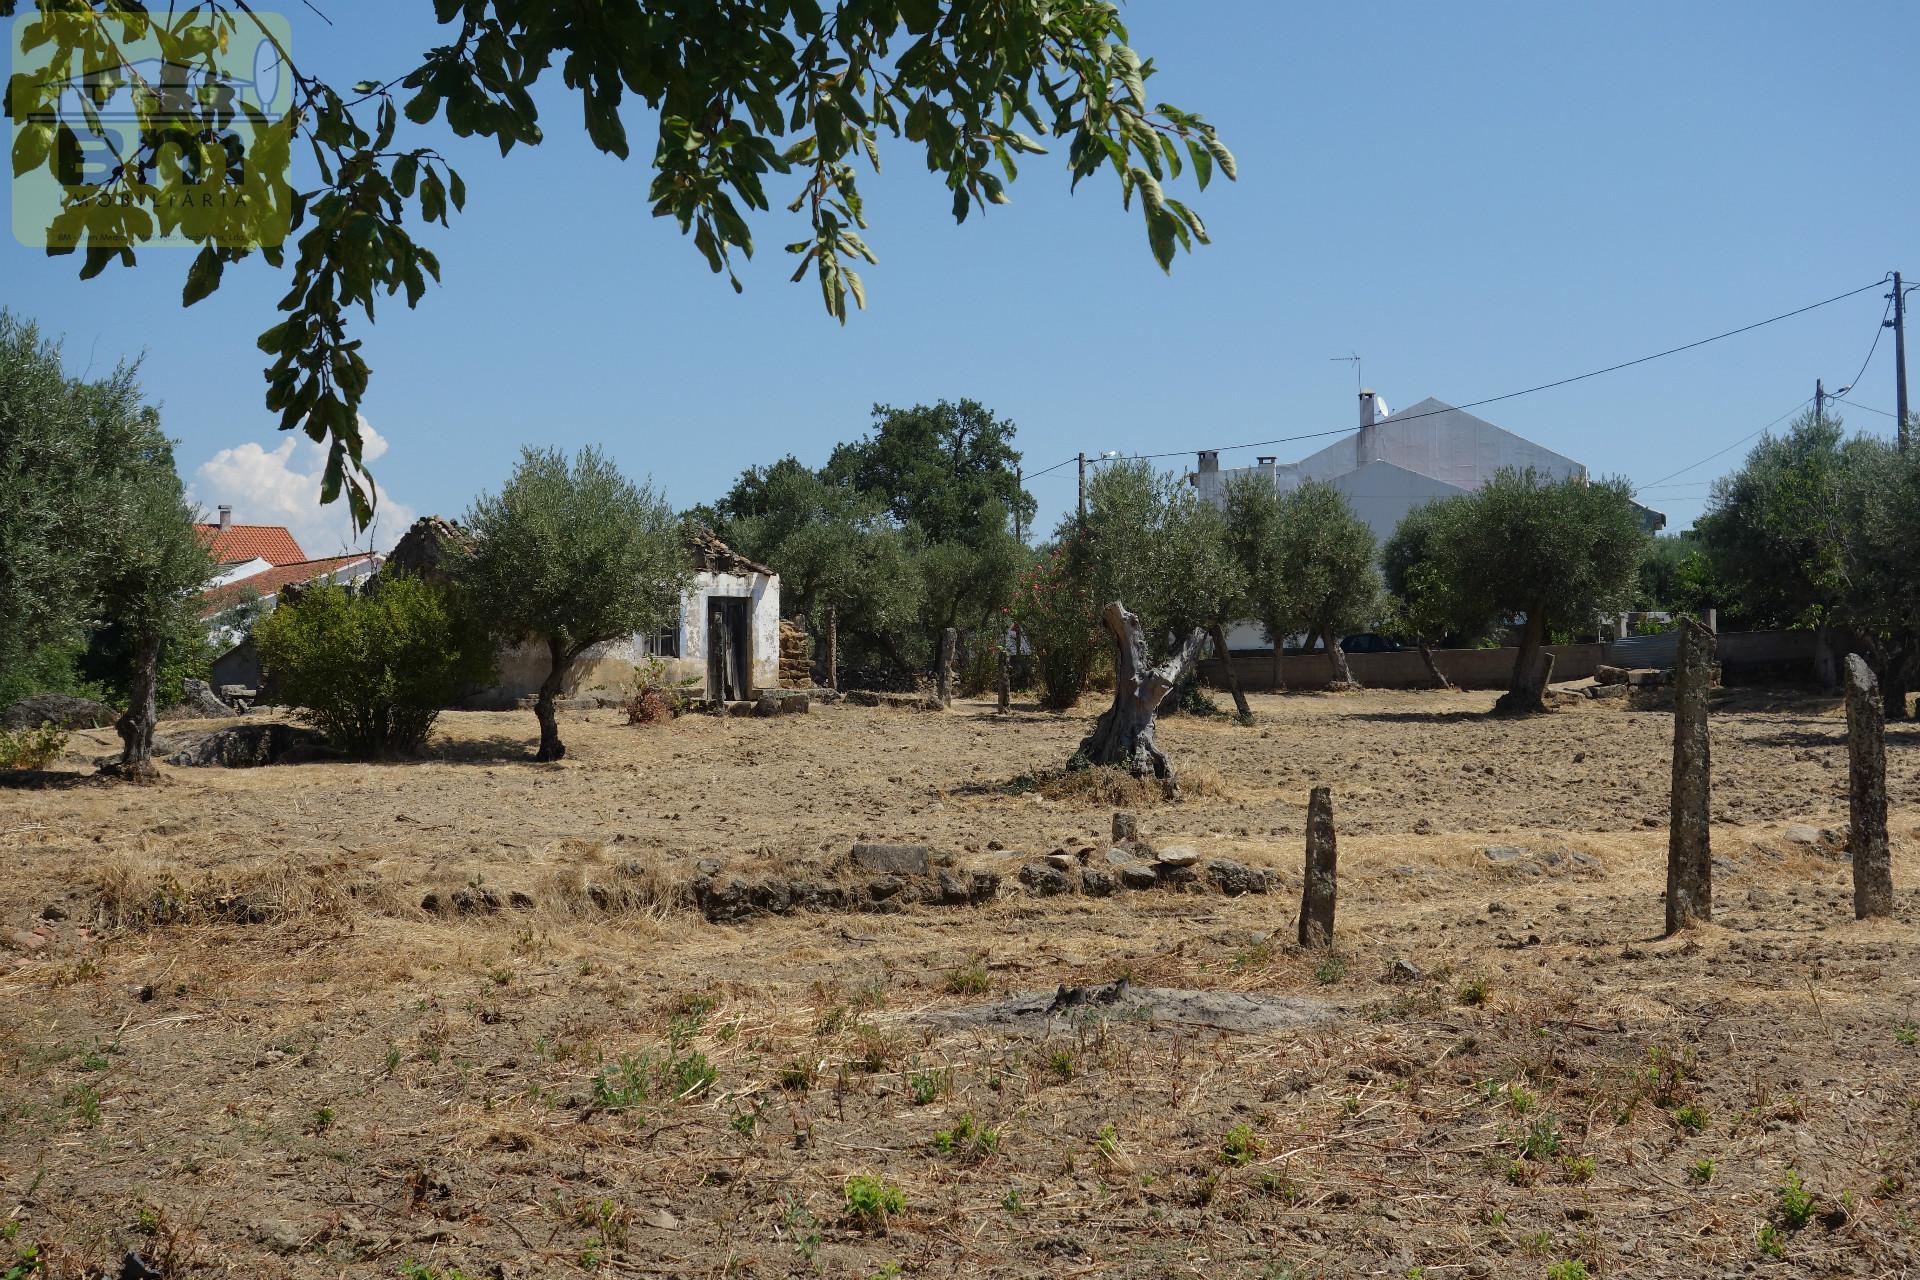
x,y
1395,462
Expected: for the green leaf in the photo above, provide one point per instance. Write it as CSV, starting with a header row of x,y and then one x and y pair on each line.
x,y
31,147
1202,163
203,277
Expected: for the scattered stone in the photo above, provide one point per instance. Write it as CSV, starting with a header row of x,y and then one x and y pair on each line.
x,y
1498,908
1125,828
954,891
1138,875
22,940
885,887
1503,853
1402,971
53,911
893,859
1044,880
1119,857
1098,882
1423,827
1234,879
1604,675
1061,861
279,1235
58,710
1608,692
1178,855
135,1266
431,904
199,697
1173,875
250,746
708,866
520,901
661,1220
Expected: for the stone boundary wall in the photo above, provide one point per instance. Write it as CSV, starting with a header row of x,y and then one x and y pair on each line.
x,y
1467,668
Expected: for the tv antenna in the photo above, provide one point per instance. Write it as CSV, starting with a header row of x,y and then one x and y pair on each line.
x,y
1354,360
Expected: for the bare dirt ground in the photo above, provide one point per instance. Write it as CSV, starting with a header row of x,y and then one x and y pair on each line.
x,y
232,1040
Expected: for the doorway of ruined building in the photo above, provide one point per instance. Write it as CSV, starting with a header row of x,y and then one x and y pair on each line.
x,y
729,649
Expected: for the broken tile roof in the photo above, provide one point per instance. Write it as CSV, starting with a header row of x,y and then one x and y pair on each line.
x,y
270,581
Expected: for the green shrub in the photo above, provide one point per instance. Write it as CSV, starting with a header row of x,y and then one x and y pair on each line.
x,y
1053,606
372,669
871,1202
31,748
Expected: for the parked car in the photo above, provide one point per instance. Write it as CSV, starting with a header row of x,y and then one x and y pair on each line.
x,y
1371,642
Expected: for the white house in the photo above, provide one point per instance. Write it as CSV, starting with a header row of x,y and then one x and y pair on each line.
x,y
1395,462
725,641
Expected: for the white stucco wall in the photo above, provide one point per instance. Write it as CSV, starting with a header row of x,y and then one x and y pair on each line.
x,y
609,668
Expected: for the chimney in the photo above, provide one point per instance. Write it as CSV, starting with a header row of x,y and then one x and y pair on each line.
x,y
1209,460
1267,461
1365,447
226,517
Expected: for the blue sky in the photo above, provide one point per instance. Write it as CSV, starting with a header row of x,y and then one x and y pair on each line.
x,y
1474,197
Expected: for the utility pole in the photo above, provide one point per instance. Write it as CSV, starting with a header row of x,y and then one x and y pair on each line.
x,y
1899,323
1083,486
1820,402
1019,488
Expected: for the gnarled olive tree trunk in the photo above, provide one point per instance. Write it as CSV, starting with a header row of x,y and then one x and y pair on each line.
x,y
551,748
1219,634
135,726
1532,671
1342,672
1433,668
1123,736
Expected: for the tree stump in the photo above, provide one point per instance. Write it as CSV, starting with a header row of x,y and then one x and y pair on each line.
x,y
1006,682
1689,850
1123,736
1321,885
1867,793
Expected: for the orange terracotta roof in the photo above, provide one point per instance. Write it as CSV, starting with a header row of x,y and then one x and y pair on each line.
x,y
237,542
269,581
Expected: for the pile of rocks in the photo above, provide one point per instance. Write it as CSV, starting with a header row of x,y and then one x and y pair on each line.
x,y
877,878
1132,863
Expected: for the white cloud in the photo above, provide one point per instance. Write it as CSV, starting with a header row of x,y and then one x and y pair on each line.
x,y
282,486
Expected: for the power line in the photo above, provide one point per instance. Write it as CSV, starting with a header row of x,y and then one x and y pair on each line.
x,y
1735,445
1544,386
1878,329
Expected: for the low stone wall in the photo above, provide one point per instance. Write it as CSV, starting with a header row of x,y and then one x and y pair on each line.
x,y
1467,668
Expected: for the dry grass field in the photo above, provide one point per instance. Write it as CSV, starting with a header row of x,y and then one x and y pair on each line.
x,y
232,1040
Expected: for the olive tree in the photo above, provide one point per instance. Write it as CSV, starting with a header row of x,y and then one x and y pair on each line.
x,y
1546,553
750,103
1159,557
95,531
1253,519
1422,604
1325,566
149,586
571,555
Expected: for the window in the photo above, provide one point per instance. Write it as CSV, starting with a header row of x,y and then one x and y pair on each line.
x,y
665,643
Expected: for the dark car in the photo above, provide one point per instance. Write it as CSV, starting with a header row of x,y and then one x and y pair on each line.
x,y
1371,642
